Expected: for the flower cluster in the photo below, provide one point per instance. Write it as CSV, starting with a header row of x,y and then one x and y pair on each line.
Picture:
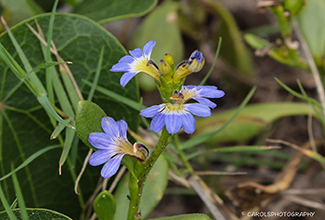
x,y
180,113
180,105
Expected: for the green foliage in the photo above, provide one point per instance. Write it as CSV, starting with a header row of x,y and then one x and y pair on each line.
x,y
153,191
280,53
105,206
250,121
37,214
312,29
79,40
185,217
104,11
233,49
88,120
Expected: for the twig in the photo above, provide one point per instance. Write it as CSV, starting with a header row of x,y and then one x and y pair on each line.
x,y
305,202
208,197
116,180
82,171
201,173
313,67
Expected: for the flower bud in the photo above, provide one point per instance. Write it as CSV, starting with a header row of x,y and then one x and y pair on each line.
x,y
193,64
196,61
164,68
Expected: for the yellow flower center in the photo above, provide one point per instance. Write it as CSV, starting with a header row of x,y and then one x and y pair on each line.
x,y
151,70
174,107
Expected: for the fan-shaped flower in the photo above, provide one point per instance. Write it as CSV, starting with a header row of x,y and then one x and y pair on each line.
x,y
180,113
201,93
112,145
139,61
175,116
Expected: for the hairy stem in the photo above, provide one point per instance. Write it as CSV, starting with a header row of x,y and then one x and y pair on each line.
x,y
136,184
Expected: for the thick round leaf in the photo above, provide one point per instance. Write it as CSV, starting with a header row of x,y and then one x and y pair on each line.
x,y
233,49
250,121
311,25
185,217
88,120
105,206
25,127
153,191
105,11
37,214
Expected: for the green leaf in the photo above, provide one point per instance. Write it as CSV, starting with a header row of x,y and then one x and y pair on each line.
x,y
24,125
153,190
233,49
250,121
37,214
105,11
185,217
312,27
19,194
290,58
167,36
105,206
14,11
88,120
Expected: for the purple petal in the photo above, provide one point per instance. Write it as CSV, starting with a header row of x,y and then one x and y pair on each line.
x,y
188,123
111,167
110,127
212,93
101,140
196,55
205,101
198,109
151,111
137,53
127,77
101,156
189,87
158,122
123,127
147,49
173,123
123,64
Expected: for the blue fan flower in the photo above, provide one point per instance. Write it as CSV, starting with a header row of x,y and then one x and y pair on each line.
x,y
139,61
180,114
112,146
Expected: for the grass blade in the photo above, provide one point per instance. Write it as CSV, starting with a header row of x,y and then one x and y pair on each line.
x,y
202,138
214,63
48,107
58,129
69,136
21,202
6,205
31,159
311,100
232,149
97,74
131,103
74,98
33,78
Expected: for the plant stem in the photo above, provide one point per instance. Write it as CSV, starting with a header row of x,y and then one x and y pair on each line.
x,y
182,155
136,184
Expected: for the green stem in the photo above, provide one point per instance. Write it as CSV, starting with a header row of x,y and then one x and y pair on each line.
x,y
136,184
182,155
